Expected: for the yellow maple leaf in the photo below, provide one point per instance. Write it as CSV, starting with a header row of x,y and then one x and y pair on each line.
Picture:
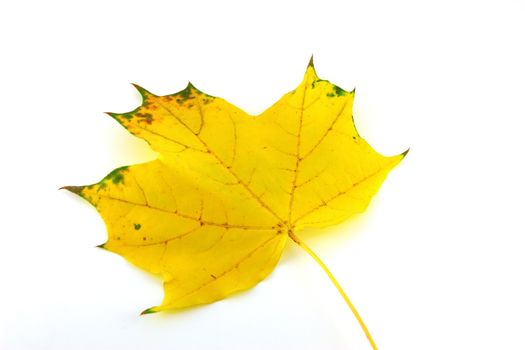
x,y
213,213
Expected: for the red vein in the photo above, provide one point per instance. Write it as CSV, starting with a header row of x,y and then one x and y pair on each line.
x,y
330,128
228,168
202,120
312,178
163,241
297,158
189,217
230,269
169,139
339,194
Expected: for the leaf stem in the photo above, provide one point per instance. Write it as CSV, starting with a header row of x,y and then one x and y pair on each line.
x,y
336,284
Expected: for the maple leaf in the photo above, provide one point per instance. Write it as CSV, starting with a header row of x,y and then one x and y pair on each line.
x,y
213,212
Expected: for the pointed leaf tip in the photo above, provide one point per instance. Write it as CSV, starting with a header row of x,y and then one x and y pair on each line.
x,y
310,69
143,92
101,246
151,310
191,88
74,189
405,153
311,62
117,117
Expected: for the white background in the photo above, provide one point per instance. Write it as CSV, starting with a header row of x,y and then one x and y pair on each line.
x,y
438,260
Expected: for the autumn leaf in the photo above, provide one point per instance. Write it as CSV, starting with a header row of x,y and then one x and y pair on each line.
x,y
213,213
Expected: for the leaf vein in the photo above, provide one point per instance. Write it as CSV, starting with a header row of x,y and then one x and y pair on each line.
x,y
211,152
229,270
189,217
339,194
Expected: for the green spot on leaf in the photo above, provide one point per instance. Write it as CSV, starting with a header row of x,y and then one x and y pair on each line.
x,y
127,116
116,176
185,94
189,93
137,226
338,91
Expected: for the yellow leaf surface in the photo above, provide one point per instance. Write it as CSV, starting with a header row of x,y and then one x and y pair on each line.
x,y
213,213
